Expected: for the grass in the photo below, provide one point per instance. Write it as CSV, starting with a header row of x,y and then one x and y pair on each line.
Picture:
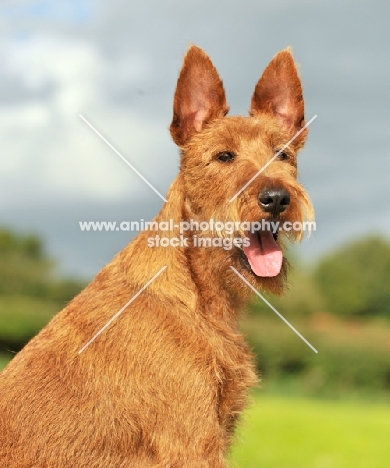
x,y
285,432
279,432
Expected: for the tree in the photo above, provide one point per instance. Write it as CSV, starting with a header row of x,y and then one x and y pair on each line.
x,y
30,292
355,279
25,269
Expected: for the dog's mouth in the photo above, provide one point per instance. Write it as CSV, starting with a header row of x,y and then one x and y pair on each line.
x,y
263,256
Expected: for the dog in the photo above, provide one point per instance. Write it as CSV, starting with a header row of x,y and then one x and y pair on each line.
x,y
165,382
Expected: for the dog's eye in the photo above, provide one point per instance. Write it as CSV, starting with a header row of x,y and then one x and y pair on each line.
x,y
225,156
282,156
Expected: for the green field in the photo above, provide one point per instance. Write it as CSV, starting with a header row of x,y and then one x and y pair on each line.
x,y
286,432
283,432
298,433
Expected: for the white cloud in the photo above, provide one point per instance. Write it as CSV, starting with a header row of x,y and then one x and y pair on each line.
x,y
50,152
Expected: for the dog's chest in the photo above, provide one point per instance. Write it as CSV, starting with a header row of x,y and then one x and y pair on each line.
x,y
234,375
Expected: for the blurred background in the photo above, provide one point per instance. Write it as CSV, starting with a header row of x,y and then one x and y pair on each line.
x,y
117,64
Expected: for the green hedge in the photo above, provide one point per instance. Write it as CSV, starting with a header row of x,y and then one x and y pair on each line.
x,y
351,356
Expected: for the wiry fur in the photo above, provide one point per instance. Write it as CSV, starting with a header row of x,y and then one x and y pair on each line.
x,y
163,386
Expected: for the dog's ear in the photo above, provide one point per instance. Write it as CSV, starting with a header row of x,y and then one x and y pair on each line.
x,y
199,96
279,93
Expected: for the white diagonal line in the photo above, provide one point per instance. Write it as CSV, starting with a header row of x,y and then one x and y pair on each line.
x,y
273,308
272,159
120,311
122,157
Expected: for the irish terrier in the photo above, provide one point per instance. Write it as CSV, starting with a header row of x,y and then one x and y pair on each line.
x,y
164,384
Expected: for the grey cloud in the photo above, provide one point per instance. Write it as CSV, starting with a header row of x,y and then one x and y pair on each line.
x,y
342,47
13,90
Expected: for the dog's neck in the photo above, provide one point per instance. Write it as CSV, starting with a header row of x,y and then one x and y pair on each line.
x,y
202,265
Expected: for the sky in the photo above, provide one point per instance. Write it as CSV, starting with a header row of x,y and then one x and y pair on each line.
x,y
117,63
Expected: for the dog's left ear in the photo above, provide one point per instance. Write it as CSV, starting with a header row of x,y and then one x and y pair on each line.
x,y
279,93
199,96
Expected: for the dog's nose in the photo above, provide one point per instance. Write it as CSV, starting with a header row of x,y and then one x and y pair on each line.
x,y
274,201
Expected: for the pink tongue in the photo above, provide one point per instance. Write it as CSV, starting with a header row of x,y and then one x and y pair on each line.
x,y
265,256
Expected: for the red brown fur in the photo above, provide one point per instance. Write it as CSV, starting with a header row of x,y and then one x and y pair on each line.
x,y
164,384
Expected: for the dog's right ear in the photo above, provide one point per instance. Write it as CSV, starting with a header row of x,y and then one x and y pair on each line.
x,y
199,96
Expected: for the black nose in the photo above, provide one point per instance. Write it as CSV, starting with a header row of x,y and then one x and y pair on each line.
x,y
274,201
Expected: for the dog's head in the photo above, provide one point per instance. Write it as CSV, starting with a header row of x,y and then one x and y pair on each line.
x,y
243,170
